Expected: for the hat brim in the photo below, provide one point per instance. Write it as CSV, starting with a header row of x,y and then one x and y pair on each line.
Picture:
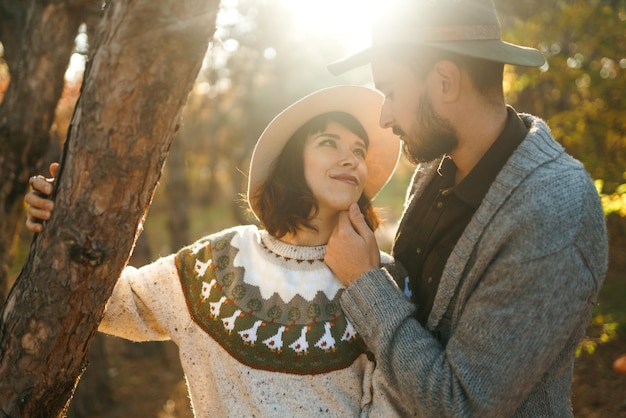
x,y
361,102
491,50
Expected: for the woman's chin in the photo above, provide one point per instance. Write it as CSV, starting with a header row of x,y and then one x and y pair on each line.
x,y
344,206
336,208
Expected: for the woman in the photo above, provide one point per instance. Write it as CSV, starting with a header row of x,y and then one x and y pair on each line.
x,y
255,312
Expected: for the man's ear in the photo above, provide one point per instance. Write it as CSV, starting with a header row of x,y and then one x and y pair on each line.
x,y
448,77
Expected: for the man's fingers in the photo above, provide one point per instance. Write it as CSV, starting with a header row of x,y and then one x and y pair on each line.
x,y
353,221
344,220
358,221
351,249
344,225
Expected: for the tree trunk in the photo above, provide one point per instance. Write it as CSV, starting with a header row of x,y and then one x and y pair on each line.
x,y
93,396
135,86
39,39
178,202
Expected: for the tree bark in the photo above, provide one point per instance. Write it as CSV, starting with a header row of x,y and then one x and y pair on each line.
x,y
93,395
38,37
178,202
135,87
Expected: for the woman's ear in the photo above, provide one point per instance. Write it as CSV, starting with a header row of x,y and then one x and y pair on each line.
x,y
448,80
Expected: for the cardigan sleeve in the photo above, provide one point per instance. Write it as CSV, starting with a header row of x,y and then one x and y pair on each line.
x,y
147,304
484,369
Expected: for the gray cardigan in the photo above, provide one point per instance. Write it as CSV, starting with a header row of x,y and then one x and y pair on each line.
x,y
514,299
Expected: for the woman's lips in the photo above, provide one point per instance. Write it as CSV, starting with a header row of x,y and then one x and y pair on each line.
x,y
346,178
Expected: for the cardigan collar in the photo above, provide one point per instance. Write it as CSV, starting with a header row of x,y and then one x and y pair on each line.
x,y
537,148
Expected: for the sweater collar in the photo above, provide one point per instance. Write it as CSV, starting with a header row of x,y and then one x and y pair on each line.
x,y
292,252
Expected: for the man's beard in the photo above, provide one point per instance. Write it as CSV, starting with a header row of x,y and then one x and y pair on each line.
x,y
431,135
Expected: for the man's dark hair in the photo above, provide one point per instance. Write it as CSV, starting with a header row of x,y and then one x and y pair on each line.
x,y
486,75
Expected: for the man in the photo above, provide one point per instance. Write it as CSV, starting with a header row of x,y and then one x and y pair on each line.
x,y
503,235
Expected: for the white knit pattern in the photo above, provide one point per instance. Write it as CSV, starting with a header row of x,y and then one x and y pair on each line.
x,y
288,270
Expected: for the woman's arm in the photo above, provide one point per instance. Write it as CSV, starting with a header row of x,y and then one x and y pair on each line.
x,y
147,304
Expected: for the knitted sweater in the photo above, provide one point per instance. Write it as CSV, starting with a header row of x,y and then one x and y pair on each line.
x,y
514,299
258,325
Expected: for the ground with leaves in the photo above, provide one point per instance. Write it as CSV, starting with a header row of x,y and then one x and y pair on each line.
x,y
599,391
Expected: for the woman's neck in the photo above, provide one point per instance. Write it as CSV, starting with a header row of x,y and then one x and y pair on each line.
x,y
313,237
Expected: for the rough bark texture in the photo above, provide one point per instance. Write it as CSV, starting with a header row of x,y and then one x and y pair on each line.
x,y
38,37
135,86
178,202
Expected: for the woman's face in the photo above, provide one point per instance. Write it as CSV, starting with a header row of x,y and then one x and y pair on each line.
x,y
334,167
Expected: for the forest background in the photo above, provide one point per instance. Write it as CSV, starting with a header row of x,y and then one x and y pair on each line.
x,y
265,55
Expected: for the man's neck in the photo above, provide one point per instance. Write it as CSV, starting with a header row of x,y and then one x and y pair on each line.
x,y
476,134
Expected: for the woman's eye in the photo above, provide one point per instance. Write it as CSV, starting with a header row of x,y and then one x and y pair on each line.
x,y
360,152
328,142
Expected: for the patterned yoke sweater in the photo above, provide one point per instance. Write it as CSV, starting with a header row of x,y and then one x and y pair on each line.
x,y
258,325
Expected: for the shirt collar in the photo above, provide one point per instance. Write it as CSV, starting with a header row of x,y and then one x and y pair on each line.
x,y
473,188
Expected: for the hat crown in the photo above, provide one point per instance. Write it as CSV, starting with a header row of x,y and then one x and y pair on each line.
x,y
435,20
464,27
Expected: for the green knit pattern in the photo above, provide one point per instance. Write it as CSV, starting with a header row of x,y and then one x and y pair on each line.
x,y
300,337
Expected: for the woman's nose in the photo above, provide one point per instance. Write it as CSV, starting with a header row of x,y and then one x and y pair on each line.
x,y
348,159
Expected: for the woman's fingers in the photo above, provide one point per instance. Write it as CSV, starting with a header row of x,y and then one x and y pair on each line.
x,y
41,184
38,204
39,208
54,169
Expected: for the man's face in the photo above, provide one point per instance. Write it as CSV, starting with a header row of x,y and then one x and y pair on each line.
x,y
409,111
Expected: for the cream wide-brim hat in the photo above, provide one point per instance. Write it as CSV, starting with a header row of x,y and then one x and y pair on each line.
x,y
361,102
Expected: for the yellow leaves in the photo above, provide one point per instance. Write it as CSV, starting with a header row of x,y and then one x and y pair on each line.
x,y
614,202
586,345
607,331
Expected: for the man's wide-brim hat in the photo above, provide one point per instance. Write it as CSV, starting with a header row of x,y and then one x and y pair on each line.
x,y
361,102
466,27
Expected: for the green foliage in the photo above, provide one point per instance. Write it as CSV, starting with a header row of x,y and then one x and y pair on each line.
x,y
581,89
580,93
605,330
613,202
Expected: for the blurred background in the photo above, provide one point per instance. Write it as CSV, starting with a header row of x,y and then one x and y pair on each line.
x,y
268,53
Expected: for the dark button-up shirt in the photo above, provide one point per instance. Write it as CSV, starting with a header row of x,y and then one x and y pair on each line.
x,y
442,212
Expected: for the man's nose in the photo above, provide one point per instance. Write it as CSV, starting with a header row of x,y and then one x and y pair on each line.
x,y
386,116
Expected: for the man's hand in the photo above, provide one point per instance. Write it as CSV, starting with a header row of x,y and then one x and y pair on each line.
x,y
352,248
39,206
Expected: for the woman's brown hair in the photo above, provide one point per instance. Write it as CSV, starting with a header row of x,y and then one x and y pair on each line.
x,y
284,201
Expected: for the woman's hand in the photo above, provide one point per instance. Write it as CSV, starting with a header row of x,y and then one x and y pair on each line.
x,y
38,204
